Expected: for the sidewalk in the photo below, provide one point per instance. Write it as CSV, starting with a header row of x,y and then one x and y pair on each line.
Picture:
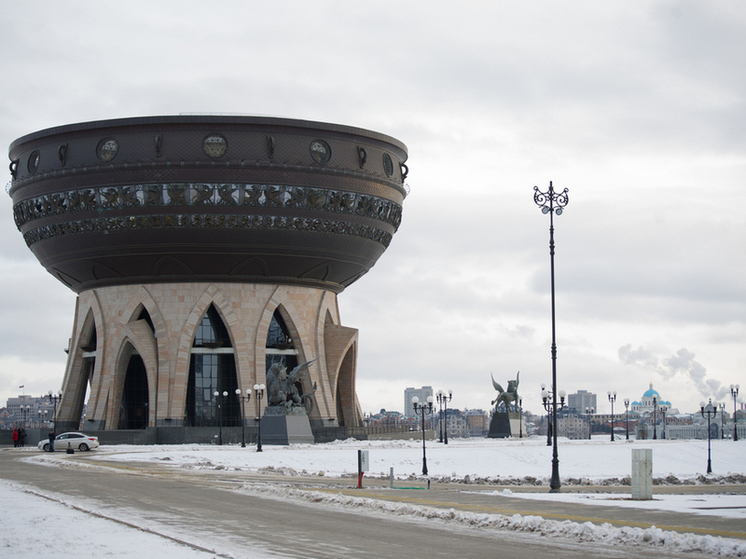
x,y
491,500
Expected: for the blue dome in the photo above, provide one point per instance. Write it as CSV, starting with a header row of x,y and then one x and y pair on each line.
x,y
650,393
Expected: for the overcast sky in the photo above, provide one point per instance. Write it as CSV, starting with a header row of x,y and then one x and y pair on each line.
x,y
638,108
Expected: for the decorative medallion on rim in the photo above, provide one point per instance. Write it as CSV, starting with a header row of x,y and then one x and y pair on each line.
x,y
320,151
215,146
388,165
33,161
107,149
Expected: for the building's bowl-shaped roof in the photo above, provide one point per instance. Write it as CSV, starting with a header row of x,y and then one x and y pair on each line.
x,y
207,198
650,393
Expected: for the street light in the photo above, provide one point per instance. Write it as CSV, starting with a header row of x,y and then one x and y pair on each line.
x,y
220,412
663,427
520,418
612,399
589,411
259,394
550,428
721,406
422,408
734,394
708,411
626,415
552,203
443,401
551,404
42,418
243,413
25,414
655,417
53,399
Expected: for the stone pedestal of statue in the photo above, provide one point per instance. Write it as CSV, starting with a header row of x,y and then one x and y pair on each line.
x,y
505,424
283,426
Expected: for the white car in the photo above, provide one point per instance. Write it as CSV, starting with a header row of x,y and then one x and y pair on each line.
x,y
76,441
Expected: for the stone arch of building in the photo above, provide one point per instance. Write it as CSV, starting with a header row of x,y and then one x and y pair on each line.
x,y
155,338
281,302
136,339
79,371
82,364
328,314
130,358
340,345
348,408
212,295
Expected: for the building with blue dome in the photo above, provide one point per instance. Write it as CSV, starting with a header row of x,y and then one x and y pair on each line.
x,y
650,400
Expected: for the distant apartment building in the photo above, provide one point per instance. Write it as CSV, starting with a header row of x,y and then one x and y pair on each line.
x,y
573,426
458,427
477,422
27,411
582,400
421,393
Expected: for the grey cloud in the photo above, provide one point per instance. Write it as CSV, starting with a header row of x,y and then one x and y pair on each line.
x,y
640,356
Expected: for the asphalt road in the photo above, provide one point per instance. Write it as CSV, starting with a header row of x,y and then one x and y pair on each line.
x,y
207,512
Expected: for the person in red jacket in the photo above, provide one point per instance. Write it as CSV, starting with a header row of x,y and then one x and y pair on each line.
x,y
15,436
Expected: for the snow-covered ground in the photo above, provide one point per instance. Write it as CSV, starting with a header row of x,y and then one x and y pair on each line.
x,y
523,461
472,461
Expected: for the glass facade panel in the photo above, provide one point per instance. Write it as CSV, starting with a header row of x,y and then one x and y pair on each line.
x,y
211,372
280,347
278,336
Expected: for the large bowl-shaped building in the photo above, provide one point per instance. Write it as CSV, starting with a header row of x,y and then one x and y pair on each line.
x,y
203,249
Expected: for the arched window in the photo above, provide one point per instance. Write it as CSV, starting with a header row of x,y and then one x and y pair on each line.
x,y
133,413
212,368
280,347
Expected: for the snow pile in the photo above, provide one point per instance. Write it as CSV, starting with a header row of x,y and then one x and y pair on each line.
x,y
581,532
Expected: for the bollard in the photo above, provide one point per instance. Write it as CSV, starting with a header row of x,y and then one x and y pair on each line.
x,y
642,474
391,477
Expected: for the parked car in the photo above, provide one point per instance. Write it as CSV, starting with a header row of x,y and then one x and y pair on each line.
x,y
76,441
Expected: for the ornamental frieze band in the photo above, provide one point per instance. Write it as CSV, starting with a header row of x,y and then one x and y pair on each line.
x,y
231,221
201,194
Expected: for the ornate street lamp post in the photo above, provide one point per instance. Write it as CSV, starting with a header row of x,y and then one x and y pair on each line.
x,y
663,427
721,406
612,399
549,400
552,203
589,412
520,418
626,416
443,402
655,418
422,408
54,399
708,411
220,412
259,394
244,401
25,415
734,394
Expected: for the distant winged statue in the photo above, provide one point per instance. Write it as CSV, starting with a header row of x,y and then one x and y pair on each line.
x,y
506,396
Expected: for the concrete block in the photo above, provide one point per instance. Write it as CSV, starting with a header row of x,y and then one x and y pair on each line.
x,y
642,474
